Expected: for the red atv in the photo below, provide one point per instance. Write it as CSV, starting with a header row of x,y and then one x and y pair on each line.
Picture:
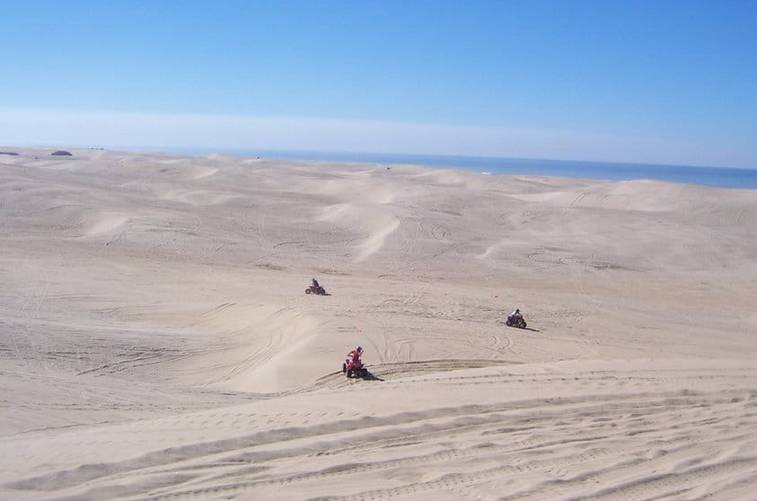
x,y
354,368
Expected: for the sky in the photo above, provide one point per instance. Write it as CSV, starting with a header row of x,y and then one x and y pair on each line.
x,y
637,81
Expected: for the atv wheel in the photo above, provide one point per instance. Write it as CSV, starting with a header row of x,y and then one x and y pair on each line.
x,y
344,368
307,291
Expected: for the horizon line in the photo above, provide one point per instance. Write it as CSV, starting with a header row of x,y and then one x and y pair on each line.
x,y
198,151
175,131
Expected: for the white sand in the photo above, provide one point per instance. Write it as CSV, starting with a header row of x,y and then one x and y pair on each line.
x,y
155,340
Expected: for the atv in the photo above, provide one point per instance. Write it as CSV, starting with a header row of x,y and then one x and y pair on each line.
x,y
518,322
318,291
356,369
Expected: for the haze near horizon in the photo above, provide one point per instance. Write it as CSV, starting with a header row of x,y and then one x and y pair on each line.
x,y
665,83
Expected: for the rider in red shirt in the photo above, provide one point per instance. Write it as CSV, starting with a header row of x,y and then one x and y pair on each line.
x,y
354,356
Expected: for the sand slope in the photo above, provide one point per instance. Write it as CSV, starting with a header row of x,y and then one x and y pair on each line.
x,y
155,341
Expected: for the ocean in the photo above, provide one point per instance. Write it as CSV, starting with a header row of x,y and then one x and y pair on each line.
x,y
607,171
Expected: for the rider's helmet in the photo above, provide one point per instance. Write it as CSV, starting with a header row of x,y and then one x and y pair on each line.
x,y
359,349
517,310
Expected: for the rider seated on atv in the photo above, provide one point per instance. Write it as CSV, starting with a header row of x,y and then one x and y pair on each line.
x,y
315,284
354,356
353,366
515,316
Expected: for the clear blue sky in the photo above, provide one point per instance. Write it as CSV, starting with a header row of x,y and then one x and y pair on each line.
x,y
665,81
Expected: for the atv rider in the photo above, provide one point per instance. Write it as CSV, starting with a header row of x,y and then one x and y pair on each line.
x,y
354,357
316,285
515,316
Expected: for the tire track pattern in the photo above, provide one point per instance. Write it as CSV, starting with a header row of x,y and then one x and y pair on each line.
x,y
635,446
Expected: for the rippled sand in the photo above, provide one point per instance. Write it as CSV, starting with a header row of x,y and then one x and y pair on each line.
x,y
155,340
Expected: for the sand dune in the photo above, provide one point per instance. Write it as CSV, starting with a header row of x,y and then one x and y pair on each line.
x,y
156,343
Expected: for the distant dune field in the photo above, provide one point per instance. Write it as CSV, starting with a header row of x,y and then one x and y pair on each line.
x,y
156,341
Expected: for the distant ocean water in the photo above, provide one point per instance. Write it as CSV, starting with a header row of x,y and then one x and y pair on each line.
x,y
606,171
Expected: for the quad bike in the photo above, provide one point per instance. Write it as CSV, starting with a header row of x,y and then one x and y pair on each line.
x,y
518,322
318,291
354,368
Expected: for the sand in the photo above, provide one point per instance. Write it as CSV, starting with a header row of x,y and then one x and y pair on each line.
x,y
156,341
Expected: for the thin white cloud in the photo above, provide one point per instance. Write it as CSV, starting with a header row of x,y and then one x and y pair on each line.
x,y
164,130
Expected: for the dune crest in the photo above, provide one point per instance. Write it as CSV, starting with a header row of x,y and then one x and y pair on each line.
x,y
376,240
106,223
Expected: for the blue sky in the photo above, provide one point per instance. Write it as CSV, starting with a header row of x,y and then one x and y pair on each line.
x,y
663,81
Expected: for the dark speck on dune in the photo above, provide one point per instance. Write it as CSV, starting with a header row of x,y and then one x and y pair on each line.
x,y
61,153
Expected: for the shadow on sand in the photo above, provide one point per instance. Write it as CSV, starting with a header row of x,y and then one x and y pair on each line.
x,y
369,376
519,328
